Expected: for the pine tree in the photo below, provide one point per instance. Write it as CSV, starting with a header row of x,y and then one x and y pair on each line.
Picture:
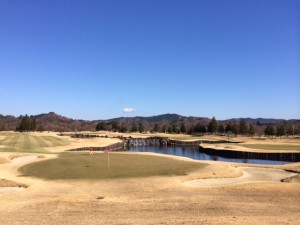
x,y
141,127
123,128
213,126
115,125
280,130
156,128
101,126
243,127
228,128
235,129
174,129
251,130
183,128
199,128
24,126
269,131
191,129
164,128
134,127
290,130
32,124
221,129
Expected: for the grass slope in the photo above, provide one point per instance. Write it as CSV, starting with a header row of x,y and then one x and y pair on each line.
x,y
84,166
25,142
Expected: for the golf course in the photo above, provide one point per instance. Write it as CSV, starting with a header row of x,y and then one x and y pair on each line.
x,y
42,182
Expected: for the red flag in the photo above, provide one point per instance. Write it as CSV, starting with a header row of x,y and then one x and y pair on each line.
x,y
91,150
106,152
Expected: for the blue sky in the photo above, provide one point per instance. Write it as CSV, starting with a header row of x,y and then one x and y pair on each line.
x,y
92,59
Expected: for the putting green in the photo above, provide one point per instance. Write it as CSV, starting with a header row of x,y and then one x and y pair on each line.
x,y
97,166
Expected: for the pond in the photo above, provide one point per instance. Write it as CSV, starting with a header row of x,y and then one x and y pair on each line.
x,y
194,152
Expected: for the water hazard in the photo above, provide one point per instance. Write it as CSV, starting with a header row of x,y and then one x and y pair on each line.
x,y
194,152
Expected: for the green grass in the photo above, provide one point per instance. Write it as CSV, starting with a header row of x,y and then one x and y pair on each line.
x,y
25,142
84,166
272,147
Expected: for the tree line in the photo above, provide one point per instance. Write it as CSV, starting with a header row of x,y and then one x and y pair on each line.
x,y
29,123
213,127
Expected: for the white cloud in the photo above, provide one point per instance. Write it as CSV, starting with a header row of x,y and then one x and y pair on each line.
x,y
128,110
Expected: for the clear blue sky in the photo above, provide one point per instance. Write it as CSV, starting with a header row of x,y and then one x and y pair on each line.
x,y
91,59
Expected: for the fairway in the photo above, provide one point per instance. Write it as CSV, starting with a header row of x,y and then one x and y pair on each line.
x,y
25,142
84,166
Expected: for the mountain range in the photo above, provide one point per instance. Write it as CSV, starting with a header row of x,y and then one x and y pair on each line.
x,y
54,122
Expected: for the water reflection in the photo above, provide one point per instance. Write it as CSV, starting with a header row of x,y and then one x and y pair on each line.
x,y
195,153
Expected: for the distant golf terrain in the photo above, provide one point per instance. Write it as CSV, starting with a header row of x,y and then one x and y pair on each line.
x,y
25,142
84,166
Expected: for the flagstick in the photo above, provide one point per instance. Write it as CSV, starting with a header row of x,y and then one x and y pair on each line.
x,y
108,161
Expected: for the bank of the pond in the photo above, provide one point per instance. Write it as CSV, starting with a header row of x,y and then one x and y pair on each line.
x,y
195,153
239,154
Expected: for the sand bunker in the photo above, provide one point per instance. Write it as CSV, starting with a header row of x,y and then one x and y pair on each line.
x,y
8,190
250,175
24,159
10,186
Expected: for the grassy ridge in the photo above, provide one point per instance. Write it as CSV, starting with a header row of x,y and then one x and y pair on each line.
x,y
84,166
25,142
272,146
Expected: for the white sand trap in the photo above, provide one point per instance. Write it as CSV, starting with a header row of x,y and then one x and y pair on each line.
x,y
250,175
24,159
8,190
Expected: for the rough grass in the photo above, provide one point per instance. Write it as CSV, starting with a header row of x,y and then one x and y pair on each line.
x,y
24,142
84,166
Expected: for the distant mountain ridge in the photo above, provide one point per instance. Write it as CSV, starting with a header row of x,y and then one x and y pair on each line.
x,y
168,117
54,122
260,120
